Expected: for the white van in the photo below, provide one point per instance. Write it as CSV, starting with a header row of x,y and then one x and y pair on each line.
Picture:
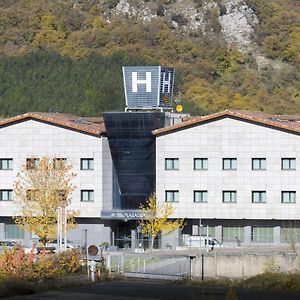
x,y
197,241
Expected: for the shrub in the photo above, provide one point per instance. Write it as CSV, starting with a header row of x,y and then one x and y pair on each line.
x,y
180,19
15,264
288,282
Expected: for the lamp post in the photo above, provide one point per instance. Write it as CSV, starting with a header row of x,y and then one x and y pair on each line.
x,y
61,229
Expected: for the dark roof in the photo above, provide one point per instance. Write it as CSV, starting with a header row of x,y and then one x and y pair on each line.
x,y
88,125
290,123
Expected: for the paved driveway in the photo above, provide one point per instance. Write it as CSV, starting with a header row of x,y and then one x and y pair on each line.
x,y
149,290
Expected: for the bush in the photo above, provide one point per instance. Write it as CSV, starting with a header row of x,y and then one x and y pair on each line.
x,y
180,19
285,282
15,264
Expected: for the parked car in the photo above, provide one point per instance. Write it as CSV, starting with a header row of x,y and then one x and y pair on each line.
x,y
8,244
53,244
28,250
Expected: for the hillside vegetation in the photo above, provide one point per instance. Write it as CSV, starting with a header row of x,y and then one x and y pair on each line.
x,y
67,55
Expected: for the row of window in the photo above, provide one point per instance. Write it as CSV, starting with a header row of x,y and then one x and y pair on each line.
x,y
85,195
229,234
231,164
231,196
261,234
258,234
32,163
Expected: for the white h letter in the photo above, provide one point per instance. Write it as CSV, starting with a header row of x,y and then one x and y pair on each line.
x,y
135,82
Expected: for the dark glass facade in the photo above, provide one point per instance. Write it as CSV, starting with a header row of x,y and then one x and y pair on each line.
x,y
132,147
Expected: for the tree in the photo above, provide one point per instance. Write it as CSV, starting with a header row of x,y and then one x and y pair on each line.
x,y
41,187
156,219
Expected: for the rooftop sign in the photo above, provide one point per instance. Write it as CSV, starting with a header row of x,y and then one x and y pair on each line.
x,y
148,87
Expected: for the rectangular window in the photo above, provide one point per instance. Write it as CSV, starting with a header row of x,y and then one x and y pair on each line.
x,y
211,231
6,195
229,196
231,234
289,235
6,164
288,197
87,164
262,234
200,196
172,196
58,163
259,197
172,164
13,231
32,163
200,163
87,195
259,164
288,164
229,163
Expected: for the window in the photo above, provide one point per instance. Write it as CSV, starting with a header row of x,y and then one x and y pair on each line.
x,y
58,163
6,195
32,163
262,234
200,196
289,234
211,231
259,197
229,196
13,231
231,233
259,164
229,163
6,164
172,196
87,164
172,164
288,164
288,197
87,195
200,163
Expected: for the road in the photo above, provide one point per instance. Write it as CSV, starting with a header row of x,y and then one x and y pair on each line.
x,y
150,290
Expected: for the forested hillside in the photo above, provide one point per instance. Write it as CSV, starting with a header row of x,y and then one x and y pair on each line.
x,y
67,55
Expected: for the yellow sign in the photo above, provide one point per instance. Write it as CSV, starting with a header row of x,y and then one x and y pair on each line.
x,y
179,108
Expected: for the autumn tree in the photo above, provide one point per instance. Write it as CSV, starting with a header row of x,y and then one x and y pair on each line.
x,y
41,187
156,219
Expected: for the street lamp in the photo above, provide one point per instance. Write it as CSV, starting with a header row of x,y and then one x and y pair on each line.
x,y
61,228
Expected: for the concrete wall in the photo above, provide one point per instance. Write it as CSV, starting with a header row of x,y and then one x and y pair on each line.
x,y
229,138
96,234
242,265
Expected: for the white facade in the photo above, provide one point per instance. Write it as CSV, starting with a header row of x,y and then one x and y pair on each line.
x,y
229,138
34,139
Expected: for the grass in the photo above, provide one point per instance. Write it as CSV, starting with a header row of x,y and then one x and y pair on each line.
x,y
268,281
283,282
14,287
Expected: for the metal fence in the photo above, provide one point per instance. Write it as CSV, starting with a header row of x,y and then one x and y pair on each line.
x,y
149,266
